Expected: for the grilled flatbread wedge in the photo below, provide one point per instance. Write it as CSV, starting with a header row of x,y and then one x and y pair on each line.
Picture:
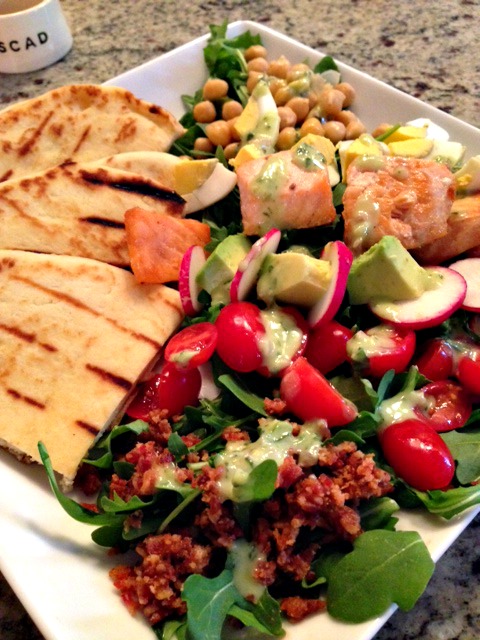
x,y
75,336
78,209
78,123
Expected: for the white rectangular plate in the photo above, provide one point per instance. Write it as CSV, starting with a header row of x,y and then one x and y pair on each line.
x,y
59,574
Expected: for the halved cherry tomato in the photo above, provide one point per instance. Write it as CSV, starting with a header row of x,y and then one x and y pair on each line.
x,y
468,371
172,389
310,396
417,454
382,348
451,406
239,329
285,339
327,346
192,346
436,360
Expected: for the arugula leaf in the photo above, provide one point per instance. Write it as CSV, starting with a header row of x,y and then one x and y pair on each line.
x,y
376,513
101,454
209,601
384,567
188,498
327,63
260,483
75,510
172,630
119,505
177,447
264,616
449,504
240,391
465,448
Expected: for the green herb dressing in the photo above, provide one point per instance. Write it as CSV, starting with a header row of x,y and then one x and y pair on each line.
x,y
271,178
245,557
281,341
275,442
308,158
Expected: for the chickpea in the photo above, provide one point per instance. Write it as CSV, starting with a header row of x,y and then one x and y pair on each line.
x,y
252,80
288,117
346,117
381,129
282,96
312,98
279,68
203,145
312,125
258,64
287,138
204,111
218,133
297,71
231,150
275,84
215,89
331,101
231,109
354,130
255,51
300,106
334,131
348,91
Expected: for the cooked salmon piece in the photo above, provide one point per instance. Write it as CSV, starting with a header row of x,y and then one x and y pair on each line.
x,y
404,197
157,241
463,233
276,192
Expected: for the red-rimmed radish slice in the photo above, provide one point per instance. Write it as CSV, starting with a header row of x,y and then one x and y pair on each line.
x,y
469,268
341,258
192,261
249,268
432,307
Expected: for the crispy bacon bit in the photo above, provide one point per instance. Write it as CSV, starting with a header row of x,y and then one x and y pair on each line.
x,y
296,609
275,406
155,585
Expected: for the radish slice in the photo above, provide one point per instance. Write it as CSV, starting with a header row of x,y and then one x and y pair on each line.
x,y
249,268
431,308
469,268
341,258
192,261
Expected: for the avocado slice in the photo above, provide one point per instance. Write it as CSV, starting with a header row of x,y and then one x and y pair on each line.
x,y
386,271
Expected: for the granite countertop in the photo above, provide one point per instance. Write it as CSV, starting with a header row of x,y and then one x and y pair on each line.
x,y
426,49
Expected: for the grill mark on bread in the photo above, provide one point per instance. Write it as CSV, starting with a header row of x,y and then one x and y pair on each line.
x,y
118,381
6,175
90,428
27,399
103,222
141,186
27,337
28,145
82,138
80,305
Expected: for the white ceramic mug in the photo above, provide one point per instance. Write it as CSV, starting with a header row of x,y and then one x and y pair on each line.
x,y
33,35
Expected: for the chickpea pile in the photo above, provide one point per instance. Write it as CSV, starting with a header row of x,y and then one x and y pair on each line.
x,y
306,103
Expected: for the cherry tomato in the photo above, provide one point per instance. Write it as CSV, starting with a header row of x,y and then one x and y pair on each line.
x,y
276,342
172,389
385,347
468,371
240,327
452,405
436,361
417,454
192,346
310,396
327,346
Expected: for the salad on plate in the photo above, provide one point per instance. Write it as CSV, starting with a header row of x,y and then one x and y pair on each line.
x,y
325,377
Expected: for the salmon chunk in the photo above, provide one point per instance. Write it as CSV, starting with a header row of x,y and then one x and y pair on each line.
x,y
403,197
463,233
157,241
277,192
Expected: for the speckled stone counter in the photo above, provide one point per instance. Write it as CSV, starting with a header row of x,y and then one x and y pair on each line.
x,y
428,49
